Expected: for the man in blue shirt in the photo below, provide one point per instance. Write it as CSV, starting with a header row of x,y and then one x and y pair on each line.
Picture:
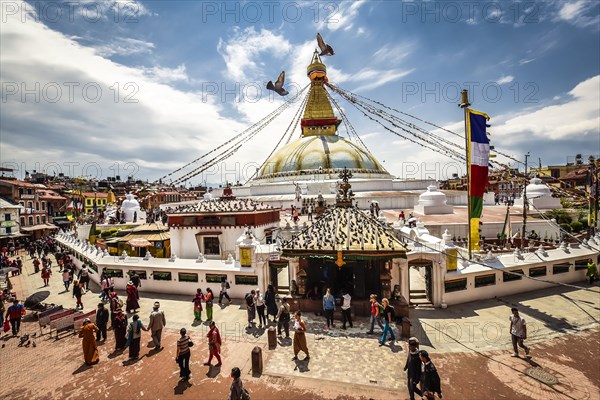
x,y
329,308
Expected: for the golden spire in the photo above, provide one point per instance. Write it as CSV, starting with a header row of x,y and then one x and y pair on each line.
x,y
318,118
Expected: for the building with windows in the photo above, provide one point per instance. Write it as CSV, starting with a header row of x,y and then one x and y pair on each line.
x,y
34,217
9,218
94,201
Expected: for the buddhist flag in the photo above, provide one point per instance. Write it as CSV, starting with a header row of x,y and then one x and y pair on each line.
x,y
477,162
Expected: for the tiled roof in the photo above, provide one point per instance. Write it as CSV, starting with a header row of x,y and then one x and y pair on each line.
x,y
221,206
345,229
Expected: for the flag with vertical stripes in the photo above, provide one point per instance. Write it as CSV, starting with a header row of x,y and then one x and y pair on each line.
x,y
477,161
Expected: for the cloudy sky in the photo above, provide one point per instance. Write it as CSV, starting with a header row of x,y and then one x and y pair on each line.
x,y
141,88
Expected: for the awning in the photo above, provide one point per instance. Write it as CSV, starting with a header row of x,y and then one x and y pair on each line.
x,y
38,227
208,233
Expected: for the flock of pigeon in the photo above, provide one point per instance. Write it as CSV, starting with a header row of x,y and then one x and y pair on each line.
x,y
219,206
277,87
345,229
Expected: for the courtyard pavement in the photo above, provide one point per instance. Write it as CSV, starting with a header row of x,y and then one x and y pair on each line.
x,y
347,364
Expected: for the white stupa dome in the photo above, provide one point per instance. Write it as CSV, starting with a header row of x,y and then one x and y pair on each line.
x,y
537,188
432,197
539,196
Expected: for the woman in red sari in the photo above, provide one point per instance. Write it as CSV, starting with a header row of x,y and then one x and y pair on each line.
x,y
214,344
132,297
90,349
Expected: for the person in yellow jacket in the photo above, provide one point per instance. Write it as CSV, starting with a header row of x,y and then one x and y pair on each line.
x,y
592,271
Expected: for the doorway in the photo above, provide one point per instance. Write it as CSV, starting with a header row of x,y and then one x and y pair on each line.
x,y
420,282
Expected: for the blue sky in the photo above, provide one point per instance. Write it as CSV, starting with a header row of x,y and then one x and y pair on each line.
x,y
194,68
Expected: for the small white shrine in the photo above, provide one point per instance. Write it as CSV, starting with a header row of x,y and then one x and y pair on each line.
x,y
433,202
130,208
539,196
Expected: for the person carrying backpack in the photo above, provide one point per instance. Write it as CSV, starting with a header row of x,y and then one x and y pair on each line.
x,y
283,317
389,316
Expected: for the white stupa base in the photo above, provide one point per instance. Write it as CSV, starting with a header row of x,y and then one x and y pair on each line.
x,y
543,203
431,210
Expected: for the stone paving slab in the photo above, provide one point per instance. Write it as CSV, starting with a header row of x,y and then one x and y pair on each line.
x,y
357,361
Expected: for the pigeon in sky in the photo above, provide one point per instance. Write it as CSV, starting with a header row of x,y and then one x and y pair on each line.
x,y
278,86
326,50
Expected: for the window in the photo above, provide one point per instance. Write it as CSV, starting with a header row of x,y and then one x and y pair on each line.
x,y
214,278
485,280
8,231
43,219
30,220
580,264
228,220
43,206
246,280
140,274
113,273
88,202
22,221
507,277
161,276
455,285
188,277
560,268
209,221
30,204
93,267
211,246
7,217
37,220
37,205
537,271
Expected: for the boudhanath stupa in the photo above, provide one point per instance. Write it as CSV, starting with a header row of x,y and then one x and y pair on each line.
x,y
310,165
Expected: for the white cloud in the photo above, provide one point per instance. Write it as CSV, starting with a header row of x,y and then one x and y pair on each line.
x,y
376,78
578,13
526,61
576,117
340,16
505,79
167,75
242,51
162,126
125,47
393,53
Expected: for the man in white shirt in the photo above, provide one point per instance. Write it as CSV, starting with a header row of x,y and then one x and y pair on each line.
x,y
518,332
346,310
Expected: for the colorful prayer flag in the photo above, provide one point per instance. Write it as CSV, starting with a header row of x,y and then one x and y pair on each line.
x,y
478,149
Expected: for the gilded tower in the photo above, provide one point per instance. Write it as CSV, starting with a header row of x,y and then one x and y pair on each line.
x,y
318,119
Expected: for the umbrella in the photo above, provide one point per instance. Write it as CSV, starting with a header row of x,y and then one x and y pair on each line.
x,y
139,242
36,298
6,270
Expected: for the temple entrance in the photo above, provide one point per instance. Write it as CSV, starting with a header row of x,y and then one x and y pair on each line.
x,y
360,278
420,282
279,277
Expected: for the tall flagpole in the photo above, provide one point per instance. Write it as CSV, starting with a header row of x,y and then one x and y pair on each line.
x,y
464,104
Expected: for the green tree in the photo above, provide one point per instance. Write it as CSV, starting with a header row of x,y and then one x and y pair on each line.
x,y
561,216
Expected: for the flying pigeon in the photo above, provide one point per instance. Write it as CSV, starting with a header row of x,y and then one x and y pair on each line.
x,y
278,86
326,50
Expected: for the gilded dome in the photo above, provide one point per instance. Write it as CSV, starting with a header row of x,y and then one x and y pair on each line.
x,y
331,153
